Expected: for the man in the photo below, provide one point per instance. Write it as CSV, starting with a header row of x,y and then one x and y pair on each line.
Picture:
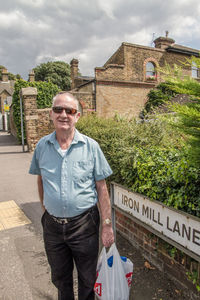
x,y
71,171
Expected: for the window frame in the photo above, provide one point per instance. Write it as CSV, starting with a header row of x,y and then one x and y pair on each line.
x,y
150,74
195,69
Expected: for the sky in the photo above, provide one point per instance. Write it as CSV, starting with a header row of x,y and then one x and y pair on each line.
x,y
37,31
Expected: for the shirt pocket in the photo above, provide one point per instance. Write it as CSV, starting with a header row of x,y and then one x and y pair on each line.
x,y
82,171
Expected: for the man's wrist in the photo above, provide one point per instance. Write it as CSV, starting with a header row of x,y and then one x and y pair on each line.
x,y
107,222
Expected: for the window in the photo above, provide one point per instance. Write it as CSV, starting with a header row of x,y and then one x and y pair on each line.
x,y
150,71
195,70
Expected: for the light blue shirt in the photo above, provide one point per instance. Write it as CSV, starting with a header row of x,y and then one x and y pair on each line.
x,y
69,179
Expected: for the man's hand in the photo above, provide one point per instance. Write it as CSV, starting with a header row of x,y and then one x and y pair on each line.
x,y
107,235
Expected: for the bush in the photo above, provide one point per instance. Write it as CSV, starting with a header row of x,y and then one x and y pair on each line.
x,y
150,158
159,96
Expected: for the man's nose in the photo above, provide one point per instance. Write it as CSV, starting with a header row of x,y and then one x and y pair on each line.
x,y
63,113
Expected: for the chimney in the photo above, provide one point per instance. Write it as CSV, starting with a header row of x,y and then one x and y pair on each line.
x,y
74,72
31,76
4,75
163,42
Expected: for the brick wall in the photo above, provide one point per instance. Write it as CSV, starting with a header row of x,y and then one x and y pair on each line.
x,y
37,121
86,99
117,57
175,263
44,123
121,84
126,99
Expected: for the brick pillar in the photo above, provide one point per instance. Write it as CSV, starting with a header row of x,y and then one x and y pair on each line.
x,y
29,97
74,72
163,42
31,76
5,75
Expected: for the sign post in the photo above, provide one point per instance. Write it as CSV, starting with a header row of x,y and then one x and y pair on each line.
x,y
22,126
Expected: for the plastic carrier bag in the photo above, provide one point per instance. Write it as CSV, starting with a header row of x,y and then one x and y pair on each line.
x,y
114,275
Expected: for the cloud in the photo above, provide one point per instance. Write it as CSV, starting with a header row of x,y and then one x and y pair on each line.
x,y
36,31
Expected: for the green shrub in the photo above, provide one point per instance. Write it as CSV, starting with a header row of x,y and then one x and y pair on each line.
x,y
150,158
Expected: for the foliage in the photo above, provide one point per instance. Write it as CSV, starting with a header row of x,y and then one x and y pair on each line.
x,y
156,98
187,118
159,96
150,158
188,122
57,72
46,91
194,277
10,75
188,115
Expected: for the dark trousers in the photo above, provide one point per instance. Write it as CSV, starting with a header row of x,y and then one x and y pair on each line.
x,y
77,241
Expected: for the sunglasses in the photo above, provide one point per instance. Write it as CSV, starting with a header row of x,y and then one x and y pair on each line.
x,y
68,111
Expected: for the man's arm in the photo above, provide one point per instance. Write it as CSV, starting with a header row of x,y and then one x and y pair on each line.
x,y
107,234
40,190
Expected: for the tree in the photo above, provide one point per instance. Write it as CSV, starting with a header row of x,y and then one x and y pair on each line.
x,y
57,72
10,75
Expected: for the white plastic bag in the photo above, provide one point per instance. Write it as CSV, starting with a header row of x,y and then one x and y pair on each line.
x,y
114,275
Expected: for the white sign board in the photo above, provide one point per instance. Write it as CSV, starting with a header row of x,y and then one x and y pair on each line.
x,y
179,227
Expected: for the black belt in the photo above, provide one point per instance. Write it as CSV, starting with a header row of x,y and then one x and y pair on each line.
x,y
67,220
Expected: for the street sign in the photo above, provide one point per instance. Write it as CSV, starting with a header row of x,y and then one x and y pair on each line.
x,y
173,225
6,107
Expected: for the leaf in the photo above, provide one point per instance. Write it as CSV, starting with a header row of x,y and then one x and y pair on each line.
x,y
148,266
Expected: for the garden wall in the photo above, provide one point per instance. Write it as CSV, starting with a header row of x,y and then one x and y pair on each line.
x,y
155,246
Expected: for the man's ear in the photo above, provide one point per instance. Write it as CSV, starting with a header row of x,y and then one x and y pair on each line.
x,y
78,116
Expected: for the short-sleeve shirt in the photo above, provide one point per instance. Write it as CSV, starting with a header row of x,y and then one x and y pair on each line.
x,y
69,178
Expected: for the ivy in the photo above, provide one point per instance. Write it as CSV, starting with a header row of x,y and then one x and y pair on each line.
x,y
46,91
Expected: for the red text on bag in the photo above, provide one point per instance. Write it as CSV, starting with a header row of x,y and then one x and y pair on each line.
x,y
98,288
129,278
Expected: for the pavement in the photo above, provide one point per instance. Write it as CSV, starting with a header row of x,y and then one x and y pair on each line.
x,y
24,270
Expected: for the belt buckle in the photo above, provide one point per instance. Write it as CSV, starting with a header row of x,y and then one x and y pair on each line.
x,y
64,221
60,221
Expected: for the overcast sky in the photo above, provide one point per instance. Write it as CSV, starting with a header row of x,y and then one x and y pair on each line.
x,y
37,31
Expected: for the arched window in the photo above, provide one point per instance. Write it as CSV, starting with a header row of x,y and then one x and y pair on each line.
x,y
195,70
150,71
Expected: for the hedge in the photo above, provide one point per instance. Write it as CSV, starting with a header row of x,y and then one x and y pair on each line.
x,y
150,158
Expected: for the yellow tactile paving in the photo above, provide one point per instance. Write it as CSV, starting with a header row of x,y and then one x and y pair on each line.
x,y
11,215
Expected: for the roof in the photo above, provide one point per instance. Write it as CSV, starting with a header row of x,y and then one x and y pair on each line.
x,y
89,78
7,86
182,49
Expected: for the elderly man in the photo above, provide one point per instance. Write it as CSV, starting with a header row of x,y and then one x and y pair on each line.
x,y
71,171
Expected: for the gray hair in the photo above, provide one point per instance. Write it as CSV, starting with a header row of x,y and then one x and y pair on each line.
x,y
68,94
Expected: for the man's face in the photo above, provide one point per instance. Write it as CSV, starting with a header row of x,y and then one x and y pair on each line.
x,y
63,120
